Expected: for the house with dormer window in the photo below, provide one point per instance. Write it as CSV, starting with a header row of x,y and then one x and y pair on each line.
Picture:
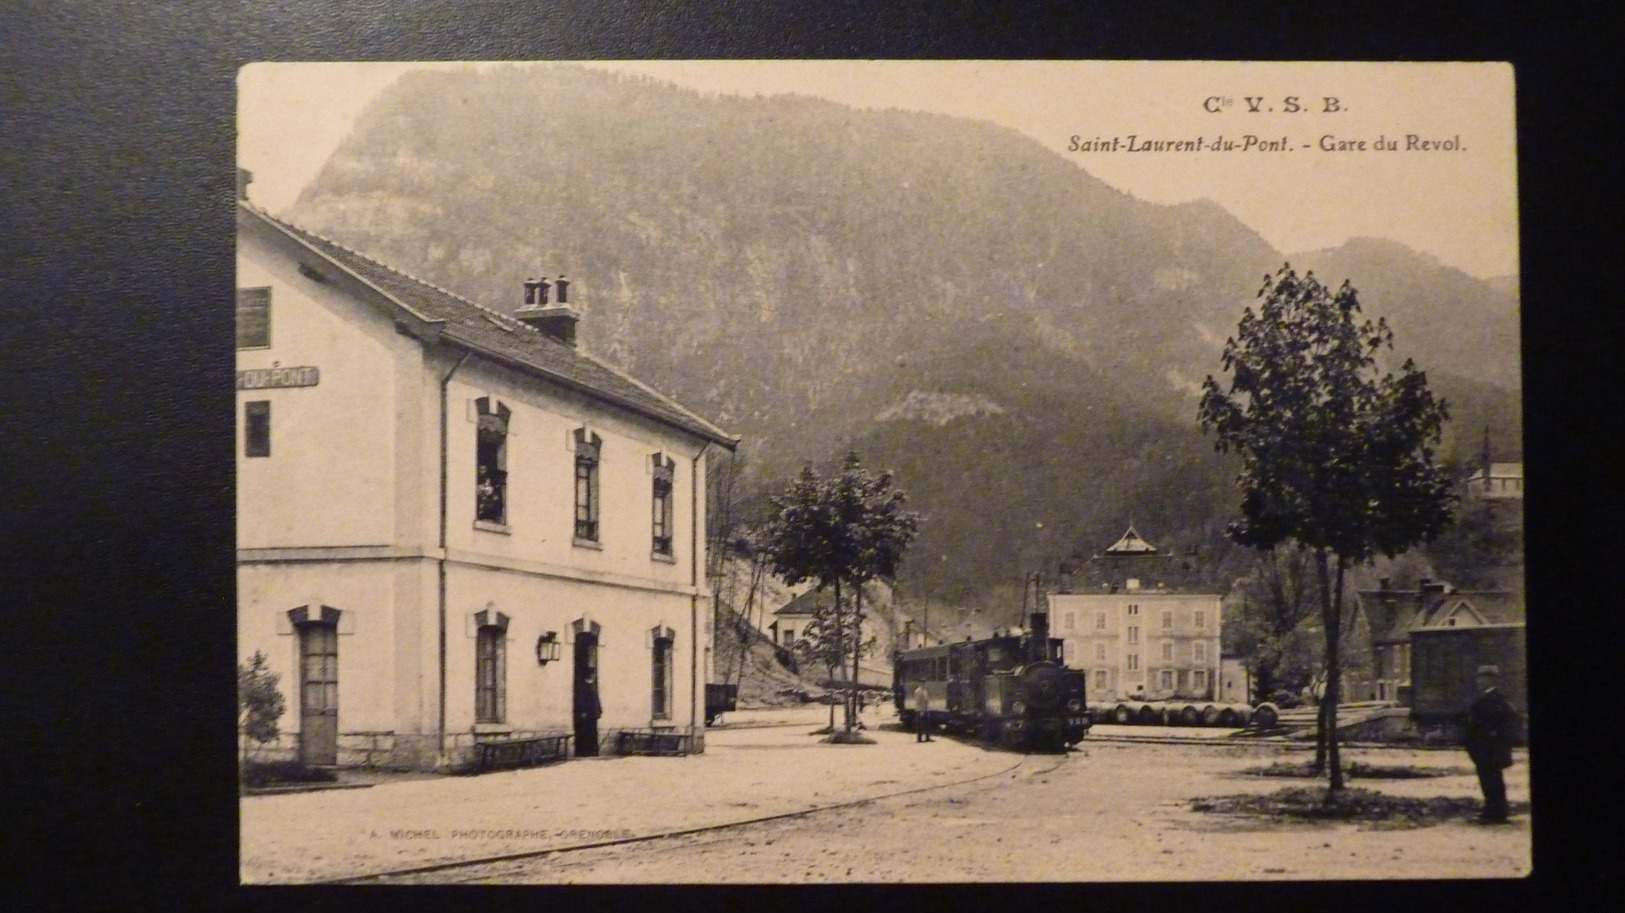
x,y
456,527
1393,615
1135,630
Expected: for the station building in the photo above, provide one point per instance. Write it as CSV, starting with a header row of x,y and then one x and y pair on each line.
x,y
454,526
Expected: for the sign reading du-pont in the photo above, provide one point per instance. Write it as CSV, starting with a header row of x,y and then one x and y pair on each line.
x,y
272,378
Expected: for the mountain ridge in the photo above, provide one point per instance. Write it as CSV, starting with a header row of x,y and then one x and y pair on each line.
x,y
794,270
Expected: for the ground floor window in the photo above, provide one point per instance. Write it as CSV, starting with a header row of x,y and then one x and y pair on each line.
x,y
1167,679
661,678
490,667
1199,679
1100,679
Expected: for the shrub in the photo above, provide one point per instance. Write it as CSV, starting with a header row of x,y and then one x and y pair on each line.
x,y
259,703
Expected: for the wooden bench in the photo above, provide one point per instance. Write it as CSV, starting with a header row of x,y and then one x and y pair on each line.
x,y
664,744
504,753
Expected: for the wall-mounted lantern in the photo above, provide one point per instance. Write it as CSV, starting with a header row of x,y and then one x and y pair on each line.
x,y
547,648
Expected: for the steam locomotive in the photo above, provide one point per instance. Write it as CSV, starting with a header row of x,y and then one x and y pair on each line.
x,y
1012,690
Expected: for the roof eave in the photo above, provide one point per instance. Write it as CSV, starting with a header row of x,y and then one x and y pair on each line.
x,y
433,329
698,428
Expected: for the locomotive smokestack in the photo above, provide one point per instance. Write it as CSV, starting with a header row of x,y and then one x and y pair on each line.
x,y
1039,627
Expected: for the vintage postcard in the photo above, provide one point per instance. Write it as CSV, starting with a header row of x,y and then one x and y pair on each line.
x,y
781,472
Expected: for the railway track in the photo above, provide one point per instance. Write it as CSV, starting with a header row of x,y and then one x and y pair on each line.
x,y
450,870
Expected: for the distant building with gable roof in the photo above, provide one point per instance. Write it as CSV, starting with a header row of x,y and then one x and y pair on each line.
x,y
1393,615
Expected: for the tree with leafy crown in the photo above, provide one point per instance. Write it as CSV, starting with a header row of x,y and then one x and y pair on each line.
x,y
1335,459
849,529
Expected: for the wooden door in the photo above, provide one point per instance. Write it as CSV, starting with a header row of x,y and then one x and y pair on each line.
x,y
318,694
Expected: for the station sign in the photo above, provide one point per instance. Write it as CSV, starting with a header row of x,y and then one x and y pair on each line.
x,y
274,378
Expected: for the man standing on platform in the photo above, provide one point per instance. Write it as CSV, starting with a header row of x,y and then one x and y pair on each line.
x,y
922,705
1490,725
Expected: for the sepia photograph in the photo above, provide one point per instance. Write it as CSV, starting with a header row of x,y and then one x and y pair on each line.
x,y
875,472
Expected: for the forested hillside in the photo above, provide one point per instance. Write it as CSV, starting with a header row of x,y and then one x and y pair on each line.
x,y
1019,341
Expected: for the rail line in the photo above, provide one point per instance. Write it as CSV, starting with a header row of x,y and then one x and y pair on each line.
x,y
683,832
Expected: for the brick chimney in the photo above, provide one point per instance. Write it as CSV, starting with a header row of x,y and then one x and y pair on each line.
x,y
557,320
244,178
1426,589
1064,584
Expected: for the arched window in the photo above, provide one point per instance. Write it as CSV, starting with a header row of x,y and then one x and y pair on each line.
x,y
665,471
490,667
589,448
491,462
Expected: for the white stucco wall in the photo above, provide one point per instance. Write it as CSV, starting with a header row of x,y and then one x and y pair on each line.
x,y
1084,638
332,444
346,510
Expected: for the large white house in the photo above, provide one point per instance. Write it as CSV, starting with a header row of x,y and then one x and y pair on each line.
x,y
453,525
1137,636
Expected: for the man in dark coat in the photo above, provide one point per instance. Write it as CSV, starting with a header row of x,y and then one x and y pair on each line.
x,y
1490,726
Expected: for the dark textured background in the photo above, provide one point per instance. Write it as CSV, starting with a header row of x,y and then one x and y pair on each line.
x,y
116,182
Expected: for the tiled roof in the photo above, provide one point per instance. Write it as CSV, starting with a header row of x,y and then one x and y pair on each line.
x,y
1131,544
499,336
807,603
1493,606
815,600
1393,624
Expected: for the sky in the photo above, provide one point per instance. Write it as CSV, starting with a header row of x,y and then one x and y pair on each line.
x,y
1313,177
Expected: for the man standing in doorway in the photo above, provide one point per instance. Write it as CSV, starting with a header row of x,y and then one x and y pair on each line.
x,y
922,706
1490,724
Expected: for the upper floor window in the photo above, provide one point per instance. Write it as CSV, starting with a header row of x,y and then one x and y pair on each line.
x,y
490,667
1100,653
257,428
1133,662
1167,620
1134,634
1069,618
589,450
491,462
1168,651
665,470
1199,618
1133,609
253,318
1100,621
1201,651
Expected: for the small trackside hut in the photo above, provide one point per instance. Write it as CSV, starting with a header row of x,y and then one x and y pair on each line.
x,y
1011,689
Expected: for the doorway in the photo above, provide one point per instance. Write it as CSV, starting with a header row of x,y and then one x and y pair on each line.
x,y
318,694
587,708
